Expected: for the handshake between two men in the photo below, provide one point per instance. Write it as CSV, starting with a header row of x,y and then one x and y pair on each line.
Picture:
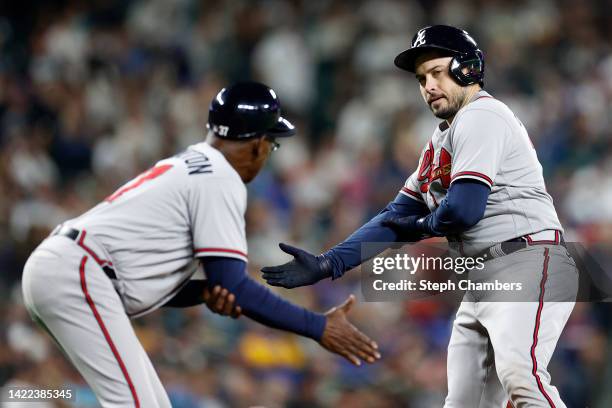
x,y
339,336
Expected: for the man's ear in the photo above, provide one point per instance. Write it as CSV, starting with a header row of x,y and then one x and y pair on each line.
x,y
255,146
259,146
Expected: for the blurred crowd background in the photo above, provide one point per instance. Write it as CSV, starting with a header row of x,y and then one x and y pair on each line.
x,y
92,93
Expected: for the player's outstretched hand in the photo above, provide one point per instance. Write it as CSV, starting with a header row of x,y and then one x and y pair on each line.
x,y
342,338
220,301
305,269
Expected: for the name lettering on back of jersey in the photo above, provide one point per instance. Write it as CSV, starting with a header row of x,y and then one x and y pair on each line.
x,y
197,162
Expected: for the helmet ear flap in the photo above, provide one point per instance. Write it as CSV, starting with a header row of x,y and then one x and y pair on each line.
x,y
468,69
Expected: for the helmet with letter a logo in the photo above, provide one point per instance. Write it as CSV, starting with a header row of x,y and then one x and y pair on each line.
x,y
467,65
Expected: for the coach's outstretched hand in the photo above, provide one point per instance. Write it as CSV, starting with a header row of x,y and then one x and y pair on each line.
x,y
342,338
305,269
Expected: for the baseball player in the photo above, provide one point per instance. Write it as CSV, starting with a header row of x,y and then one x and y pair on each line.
x,y
479,183
147,244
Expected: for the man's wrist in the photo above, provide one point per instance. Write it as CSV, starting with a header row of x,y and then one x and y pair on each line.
x,y
326,266
421,224
425,225
318,327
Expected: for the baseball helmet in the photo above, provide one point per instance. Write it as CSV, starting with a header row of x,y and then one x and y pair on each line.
x,y
467,65
246,110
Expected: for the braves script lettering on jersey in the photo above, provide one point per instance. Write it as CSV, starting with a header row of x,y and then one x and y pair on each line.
x,y
487,142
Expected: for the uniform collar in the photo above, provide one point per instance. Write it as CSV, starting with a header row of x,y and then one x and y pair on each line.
x,y
480,94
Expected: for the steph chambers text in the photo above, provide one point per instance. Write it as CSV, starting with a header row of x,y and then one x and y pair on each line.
x,y
449,285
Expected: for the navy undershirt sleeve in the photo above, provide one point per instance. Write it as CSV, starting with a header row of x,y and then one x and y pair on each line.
x,y
347,255
461,209
191,294
258,302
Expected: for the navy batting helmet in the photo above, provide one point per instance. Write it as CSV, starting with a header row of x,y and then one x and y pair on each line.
x,y
246,110
467,65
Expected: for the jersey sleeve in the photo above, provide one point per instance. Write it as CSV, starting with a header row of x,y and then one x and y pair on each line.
x,y
478,145
411,188
216,211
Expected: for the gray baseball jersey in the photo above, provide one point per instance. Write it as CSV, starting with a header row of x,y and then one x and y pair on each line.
x,y
487,142
514,339
154,226
151,231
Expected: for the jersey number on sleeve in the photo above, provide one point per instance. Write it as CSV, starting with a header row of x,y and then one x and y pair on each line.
x,y
145,176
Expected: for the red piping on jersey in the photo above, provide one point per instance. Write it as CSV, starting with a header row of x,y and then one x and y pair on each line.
x,y
412,193
473,173
540,242
433,198
536,329
94,310
96,258
230,251
483,96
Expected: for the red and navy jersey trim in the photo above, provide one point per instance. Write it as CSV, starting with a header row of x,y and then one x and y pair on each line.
x,y
473,174
222,250
411,193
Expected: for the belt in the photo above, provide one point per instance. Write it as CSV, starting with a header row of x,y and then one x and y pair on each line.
x,y
73,234
516,244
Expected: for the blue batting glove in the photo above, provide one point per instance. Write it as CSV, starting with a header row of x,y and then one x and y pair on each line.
x,y
408,229
305,269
